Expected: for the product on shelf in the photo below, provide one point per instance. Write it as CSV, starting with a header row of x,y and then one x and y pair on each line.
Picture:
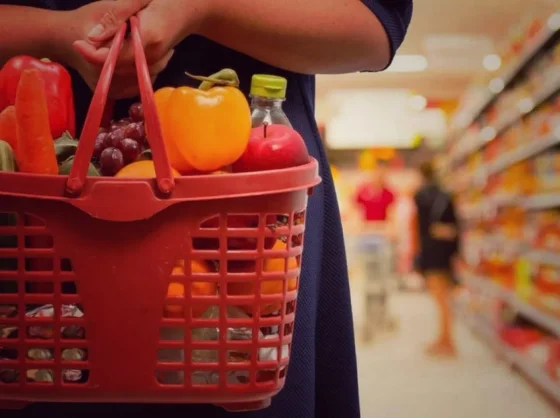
x,y
547,172
543,230
553,365
509,157
546,295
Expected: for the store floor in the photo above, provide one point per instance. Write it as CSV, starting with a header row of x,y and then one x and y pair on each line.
x,y
397,380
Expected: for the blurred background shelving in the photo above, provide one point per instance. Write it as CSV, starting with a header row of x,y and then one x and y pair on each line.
x,y
476,88
506,150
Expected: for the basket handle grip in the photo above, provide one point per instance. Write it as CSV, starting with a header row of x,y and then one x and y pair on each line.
x,y
164,178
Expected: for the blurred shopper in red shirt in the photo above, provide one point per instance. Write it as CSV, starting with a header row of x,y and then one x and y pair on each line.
x,y
375,198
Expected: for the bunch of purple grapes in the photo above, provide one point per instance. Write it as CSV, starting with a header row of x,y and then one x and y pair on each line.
x,y
122,143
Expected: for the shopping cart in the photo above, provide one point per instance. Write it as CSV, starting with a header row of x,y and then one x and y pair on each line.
x,y
376,254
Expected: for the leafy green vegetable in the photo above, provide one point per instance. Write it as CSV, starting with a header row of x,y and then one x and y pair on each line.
x,y
65,147
146,155
8,164
7,157
66,166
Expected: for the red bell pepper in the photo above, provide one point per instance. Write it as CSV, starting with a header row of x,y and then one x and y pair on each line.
x,y
58,91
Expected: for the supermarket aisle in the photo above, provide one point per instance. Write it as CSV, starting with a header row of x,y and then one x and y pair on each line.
x,y
397,380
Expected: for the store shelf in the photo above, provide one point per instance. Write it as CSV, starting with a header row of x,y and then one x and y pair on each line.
x,y
531,149
544,94
524,152
545,320
542,201
525,365
544,257
537,375
541,96
530,51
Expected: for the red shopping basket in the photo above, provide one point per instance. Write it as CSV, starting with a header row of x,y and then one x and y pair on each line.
x,y
104,325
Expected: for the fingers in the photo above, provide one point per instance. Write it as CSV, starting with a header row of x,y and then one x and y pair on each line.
x,y
113,19
91,53
159,66
125,64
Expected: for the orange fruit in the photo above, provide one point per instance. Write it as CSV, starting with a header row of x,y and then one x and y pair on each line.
x,y
177,290
141,169
268,287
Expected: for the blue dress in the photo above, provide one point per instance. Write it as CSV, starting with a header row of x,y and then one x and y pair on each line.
x,y
322,378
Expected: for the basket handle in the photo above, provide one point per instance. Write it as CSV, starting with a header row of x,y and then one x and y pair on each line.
x,y
164,178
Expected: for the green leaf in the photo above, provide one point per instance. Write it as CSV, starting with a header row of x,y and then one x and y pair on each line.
x,y
7,157
146,155
66,166
8,164
64,147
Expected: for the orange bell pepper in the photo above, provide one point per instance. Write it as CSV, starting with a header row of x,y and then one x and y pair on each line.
x,y
205,128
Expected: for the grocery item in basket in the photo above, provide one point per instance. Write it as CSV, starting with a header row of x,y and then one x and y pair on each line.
x,y
44,354
66,167
8,130
272,147
176,159
217,110
121,143
46,331
7,157
136,112
57,84
268,92
35,151
268,287
176,289
140,169
203,356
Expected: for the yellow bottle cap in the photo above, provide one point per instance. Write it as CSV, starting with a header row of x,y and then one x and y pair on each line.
x,y
269,86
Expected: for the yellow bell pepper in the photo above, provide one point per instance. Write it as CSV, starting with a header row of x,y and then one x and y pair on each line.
x,y
205,128
176,159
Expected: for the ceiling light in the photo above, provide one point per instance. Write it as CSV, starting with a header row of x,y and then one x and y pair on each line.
x,y
492,62
488,133
496,85
526,105
408,64
554,21
417,102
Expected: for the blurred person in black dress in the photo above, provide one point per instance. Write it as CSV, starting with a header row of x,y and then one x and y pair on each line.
x,y
437,244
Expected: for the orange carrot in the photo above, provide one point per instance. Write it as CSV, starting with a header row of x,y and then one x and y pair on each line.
x,y
35,152
8,126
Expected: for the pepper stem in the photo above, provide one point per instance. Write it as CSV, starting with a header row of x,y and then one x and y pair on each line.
x,y
225,77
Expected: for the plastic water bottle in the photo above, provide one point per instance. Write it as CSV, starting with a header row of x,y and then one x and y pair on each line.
x,y
268,92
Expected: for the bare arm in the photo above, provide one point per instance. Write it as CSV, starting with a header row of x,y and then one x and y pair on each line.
x,y
28,31
306,36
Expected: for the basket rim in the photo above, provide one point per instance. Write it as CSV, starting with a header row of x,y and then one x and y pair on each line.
x,y
188,188
145,194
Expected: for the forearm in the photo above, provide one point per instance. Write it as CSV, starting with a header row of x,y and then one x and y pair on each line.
x,y
306,36
29,31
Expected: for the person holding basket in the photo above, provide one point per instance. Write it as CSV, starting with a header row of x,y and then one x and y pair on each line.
x,y
294,39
